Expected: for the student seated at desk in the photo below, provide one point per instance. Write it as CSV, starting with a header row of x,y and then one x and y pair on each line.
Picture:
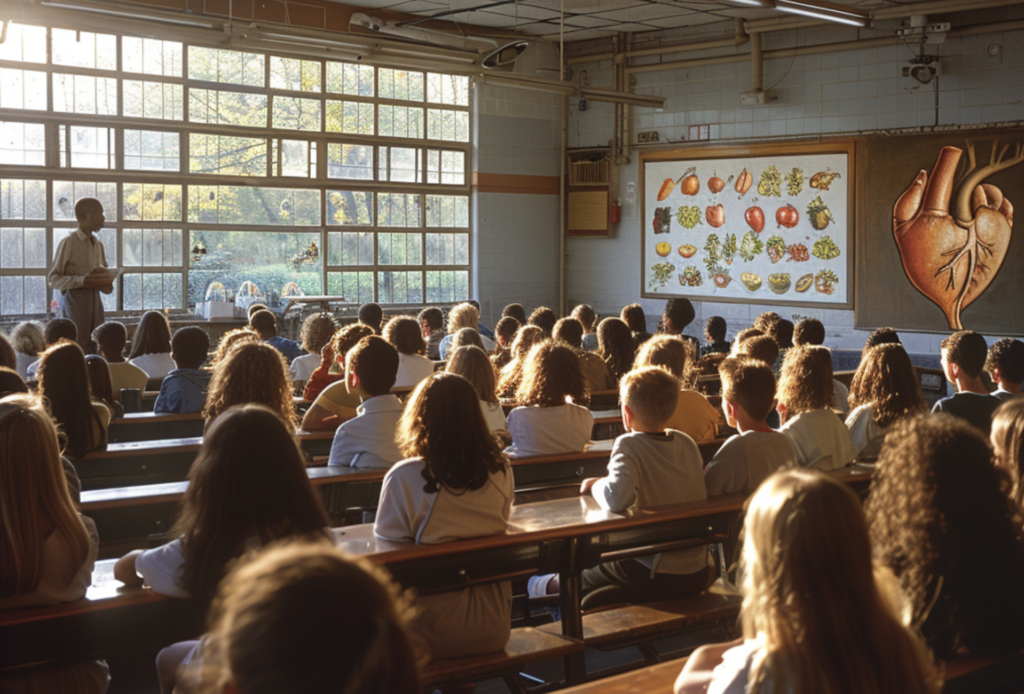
x,y
714,334
264,323
8,357
569,331
28,341
747,459
1008,442
56,330
552,415
403,333
811,331
332,402
587,317
99,383
544,318
64,382
505,334
431,321
48,548
455,485
462,316
615,346
884,390
963,358
252,373
303,618
368,440
694,415
112,337
229,341
472,364
818,615
184,389
512,373
317,331
1005,364
151,346
10,382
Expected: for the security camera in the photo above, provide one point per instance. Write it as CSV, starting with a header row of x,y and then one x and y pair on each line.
x,y
583,105
923,68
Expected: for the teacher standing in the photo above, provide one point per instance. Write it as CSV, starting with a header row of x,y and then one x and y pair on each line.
x,y
80,271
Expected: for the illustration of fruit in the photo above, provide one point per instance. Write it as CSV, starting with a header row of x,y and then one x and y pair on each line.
x,y
691,277
953,258
795,181
688,216
823,179
743,182
770,184
776,248
670,184
825,282
715,215
755,218
779,283
717,185
797,252
690,185
663,248
805,282
713,248
729,248
787,216
687,251
825,248
819,213
721,280
662,221
751,281
661,273
751,246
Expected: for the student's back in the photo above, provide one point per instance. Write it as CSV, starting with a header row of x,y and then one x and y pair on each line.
x,y
963,358
64,382
746,460
183,390
974,408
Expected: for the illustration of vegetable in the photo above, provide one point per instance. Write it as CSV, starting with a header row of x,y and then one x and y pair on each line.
x,y
662,274
823,179
687,251
670,184
729,248
690,185
715,215
805,282
713,248
691,277
721,280
798,253
776,248
770,184
787,216
751,246
663,248
779,283
825,248
688,216
751,281
743,183
795,182
825,281
755,218
819,213
717,185
953,258
662,221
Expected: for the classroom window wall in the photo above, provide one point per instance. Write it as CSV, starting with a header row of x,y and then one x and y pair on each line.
x,y
218,165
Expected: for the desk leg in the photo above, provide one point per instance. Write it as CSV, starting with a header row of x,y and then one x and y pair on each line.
x,y
572,614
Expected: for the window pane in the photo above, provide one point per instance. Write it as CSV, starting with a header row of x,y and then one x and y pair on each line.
x,y
22,89
350,248
446,167
398,210
399,121
349,117
349,207
399,249
400,287
295,75
151,150
23,144
152,248
84,49
84,147
151,56
24,43
21,199
269,259
447,249
446,285
22,248
253,205
85,94
152,202
22,294
228,108
293,113
399,84
152,290
350,161
350,78
229,156
356,287
447,125
229,67
153,100
65,193
448,211
400,164
452,90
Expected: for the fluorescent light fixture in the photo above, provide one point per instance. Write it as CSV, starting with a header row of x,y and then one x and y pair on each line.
x,y
751,3
828,14
129,15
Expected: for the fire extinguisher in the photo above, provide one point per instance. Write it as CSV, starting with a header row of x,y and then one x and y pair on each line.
x,y
615,212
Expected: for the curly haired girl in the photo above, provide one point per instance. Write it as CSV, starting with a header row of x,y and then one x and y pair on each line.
x,y
317,331
251,373
512,373
884,390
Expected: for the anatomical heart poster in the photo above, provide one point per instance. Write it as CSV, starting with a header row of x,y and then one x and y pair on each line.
x,y
937,250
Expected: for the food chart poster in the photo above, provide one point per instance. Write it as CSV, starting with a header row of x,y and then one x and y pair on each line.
x,y
759,225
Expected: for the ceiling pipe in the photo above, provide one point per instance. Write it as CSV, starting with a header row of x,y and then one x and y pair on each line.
x,y
888,12
737,39
756,64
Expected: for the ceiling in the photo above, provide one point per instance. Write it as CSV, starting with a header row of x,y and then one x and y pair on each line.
x,y
584,19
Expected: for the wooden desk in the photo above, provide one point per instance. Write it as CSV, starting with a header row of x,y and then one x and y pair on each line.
x,y
144,426
656,679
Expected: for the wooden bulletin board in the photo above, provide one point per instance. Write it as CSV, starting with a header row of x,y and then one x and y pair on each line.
x,y
761,224
587,211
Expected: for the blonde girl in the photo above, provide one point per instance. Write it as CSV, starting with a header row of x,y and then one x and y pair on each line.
x,y
512,373
252,373
463,316
28,342
694,415
818,615
472,364
229,341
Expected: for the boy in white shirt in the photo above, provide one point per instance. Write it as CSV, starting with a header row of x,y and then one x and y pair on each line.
x,y
368,441
747,459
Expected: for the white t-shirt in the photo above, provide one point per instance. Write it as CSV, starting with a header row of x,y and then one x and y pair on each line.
x,y
842,394
862,427
368,441
733,673
155,365
821,438
548,430
746,460
304,366
493,415
412,368
161,569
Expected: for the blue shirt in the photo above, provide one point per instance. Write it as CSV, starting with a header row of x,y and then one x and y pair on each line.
x,y
484,330
183,391
289,348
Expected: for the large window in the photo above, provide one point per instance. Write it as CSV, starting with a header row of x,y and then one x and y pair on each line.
x,y
224,166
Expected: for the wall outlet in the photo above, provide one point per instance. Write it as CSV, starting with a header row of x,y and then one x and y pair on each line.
x,y
648,136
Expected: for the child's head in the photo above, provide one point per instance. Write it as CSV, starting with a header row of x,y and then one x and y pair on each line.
x,y
585,314
516,311
317,331
404,334
253,308
766,321
805,382
506,330
782,333
371,367
511,375
552,376
650,395
472,364
759,347
11,382
568,331
809,331
964,354
748,384
303,618
678,314
881,336
153,336
633,316
443,424
887,381
1005,362
189,347
346,338
544,318
8,357
252,372
1008,441
99,378
264,323
248,480
615,345
715,329
371,314
431,319
462,316
111,338
666,351
28,338
64,383
229,341
465,337
61,329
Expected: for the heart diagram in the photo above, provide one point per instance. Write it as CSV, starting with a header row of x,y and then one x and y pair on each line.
x,y
952,256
